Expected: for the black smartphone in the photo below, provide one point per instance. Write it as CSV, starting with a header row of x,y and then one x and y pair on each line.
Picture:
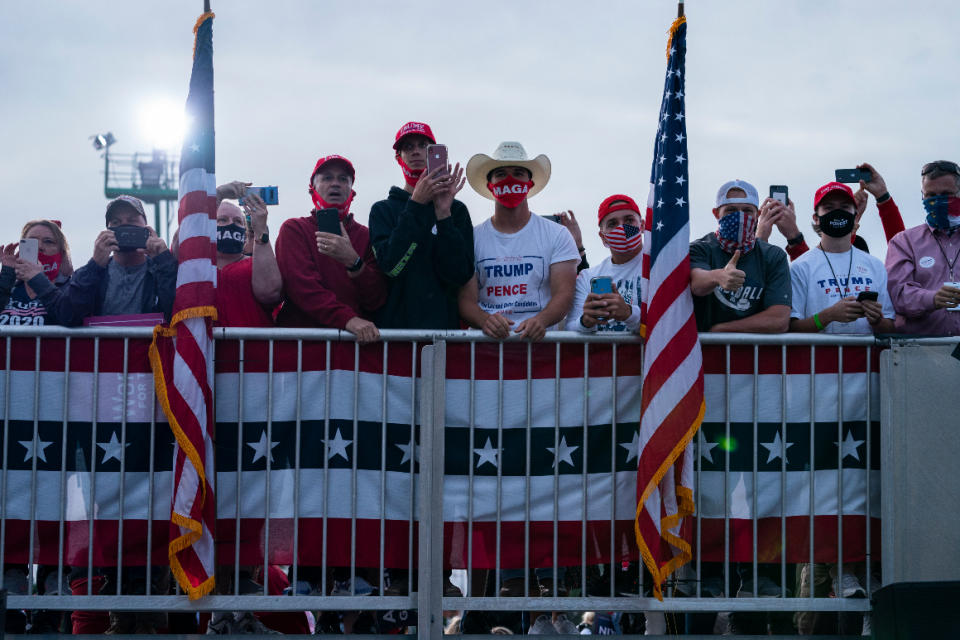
x,y
868,295
130,237
436,157
328,220
779,193
853,176
553,217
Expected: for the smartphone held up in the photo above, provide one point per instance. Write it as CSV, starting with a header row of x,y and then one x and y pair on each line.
x,y
853,176
437,157
269,195
30,250
779,193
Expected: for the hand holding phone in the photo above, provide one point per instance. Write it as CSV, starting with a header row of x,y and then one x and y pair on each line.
x,y
868,295
30,250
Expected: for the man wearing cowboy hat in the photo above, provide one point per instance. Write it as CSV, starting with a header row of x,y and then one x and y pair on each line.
x,y
330,280
526,266
423,238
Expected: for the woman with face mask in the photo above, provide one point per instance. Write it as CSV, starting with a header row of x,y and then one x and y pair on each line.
x,y
838,288
249,284
35,293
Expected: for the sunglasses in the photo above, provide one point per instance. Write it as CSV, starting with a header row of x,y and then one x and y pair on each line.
x,y
940,165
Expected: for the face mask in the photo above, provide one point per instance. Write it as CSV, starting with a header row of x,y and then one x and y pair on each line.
x,y
510,192
409,175
50,264
624,239
737,231
837,223
943,212
230,238
320,203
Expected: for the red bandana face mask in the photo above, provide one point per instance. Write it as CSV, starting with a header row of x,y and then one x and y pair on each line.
x,y
320,203
50,264
510,191
410,175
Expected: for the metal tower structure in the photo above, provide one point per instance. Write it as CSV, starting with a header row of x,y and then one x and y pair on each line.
x,y
150,176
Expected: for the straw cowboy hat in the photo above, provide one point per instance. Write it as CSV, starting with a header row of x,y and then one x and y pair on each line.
x,y
508,154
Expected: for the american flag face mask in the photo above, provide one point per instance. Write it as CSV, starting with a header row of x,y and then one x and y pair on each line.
x,y
738,230
624,238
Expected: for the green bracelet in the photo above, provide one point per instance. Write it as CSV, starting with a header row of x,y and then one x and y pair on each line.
x,y
816,321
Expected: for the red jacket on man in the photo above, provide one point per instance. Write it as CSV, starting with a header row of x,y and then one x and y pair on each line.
x,y
318,290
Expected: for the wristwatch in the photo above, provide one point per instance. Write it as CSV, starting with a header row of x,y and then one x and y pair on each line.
x,y
356,265
795,241
264,237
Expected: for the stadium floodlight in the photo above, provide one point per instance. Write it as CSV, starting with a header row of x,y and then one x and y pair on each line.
x,y
102,140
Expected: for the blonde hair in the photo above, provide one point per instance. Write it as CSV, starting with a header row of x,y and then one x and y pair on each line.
x,y
61,240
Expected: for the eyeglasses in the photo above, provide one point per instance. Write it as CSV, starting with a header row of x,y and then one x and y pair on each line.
x,y
940,165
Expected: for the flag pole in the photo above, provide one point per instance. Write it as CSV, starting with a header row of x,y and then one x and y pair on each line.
x,y
679,8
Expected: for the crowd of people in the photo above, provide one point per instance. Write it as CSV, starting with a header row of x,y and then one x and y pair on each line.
x,y
423,264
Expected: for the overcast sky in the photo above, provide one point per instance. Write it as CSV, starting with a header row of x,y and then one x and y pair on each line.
x,y
777,92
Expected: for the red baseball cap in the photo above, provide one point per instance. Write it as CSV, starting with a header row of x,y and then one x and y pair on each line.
x,y
829,188
413,128
333,158
617,202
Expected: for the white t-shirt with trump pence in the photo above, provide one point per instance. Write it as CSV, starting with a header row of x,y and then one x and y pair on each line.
x,y
513,269
817,286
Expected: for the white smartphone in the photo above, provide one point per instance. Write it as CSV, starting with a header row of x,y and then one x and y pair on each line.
x,y
957,286
29,250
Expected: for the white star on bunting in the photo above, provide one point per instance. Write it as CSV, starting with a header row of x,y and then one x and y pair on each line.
x,y
707,450
849,447
337,446
260,447
562,453
487,454
406,452
632,447
112,449
41,450
777,448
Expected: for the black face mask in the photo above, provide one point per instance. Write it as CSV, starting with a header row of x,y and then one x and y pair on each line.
x,y
837,223
230,238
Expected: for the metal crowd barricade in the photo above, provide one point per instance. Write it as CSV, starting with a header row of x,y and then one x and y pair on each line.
x,y
562,396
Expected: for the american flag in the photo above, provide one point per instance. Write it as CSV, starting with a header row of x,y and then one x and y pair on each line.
x,y
182,353
624,238
672,405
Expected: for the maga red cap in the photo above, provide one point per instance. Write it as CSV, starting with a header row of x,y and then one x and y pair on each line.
x,y
413,128
830,187
332,158
617,202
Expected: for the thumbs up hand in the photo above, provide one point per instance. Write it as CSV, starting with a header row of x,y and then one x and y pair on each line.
x,y
730,278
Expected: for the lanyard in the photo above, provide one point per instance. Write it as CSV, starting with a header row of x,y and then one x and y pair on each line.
x,y
946,259
849,271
